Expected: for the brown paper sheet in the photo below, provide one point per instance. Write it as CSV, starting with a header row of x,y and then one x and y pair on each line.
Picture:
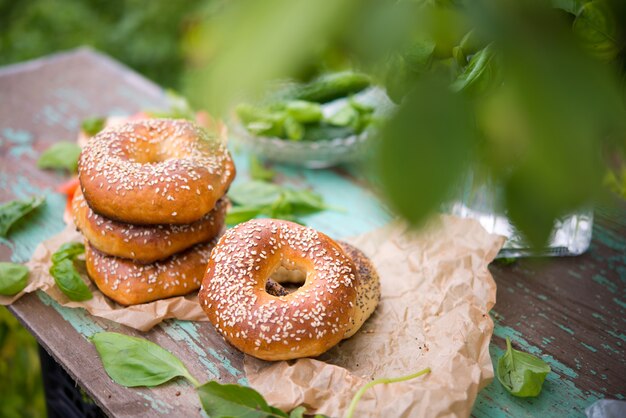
x,y
141,317
436,295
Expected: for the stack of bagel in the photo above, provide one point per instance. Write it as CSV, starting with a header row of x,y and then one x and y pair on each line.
x,y
150,206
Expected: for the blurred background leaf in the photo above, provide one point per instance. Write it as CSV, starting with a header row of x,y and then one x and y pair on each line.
x,y
21,388
529,92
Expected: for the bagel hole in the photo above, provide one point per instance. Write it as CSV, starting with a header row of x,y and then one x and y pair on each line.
x,y
286,279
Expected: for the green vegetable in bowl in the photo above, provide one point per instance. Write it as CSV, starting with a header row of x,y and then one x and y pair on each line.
x,y
303,111
327,87
301,120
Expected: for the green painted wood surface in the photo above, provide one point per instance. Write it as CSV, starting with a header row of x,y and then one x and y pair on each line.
x,y
568,311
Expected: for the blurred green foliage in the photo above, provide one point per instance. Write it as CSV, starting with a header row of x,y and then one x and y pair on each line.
x,y
146,35
528,92
21,388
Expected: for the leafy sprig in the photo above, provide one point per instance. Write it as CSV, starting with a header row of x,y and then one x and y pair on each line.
x,y
133,362
259,198
65,274
520,373
13,278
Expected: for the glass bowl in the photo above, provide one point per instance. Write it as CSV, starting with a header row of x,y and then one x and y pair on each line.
x,y
311,154
320,153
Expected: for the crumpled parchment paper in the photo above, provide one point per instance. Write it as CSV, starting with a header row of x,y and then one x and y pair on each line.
x,y
141,317
436,295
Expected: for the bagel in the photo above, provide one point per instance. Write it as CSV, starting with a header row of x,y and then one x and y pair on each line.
x,y
172,171
144,243
283,326
131,283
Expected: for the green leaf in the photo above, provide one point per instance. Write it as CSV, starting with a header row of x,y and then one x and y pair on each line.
x,y
259,172
13,278
69,281
239,214
255,198
520,373
132,362
297,412
570,6
424,149
61,155
278,412
226,401
303,201
179,108
64,272
303,111
12,211
597,31
254,193
481,74
91,126
69,250
419,55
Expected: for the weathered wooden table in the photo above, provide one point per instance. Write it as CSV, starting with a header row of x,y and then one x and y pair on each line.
x,y
570,311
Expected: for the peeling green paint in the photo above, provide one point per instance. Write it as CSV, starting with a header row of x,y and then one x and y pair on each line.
x,y
589,347
77,317
564,328
156,404
610,286
620,302
173,329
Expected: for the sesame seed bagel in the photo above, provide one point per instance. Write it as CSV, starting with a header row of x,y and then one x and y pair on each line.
x,y
131,283
144,243
304,323
155,171
368,289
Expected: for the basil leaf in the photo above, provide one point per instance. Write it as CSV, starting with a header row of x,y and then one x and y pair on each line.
x,y
597,30
62,155
12,211
520,373
254,193
256,198
239,214
297,412
69,250
222,401
64,272
482,72
132,362
304,202
13,278
258,171
570,6
91,126
69,281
